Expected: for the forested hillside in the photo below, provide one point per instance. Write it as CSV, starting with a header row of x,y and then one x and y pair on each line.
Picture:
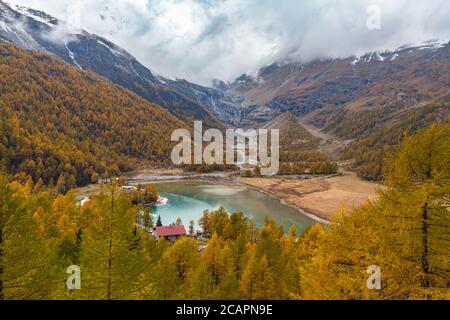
x,y
299,149
65,127
293,137
404,233
34,30
378,131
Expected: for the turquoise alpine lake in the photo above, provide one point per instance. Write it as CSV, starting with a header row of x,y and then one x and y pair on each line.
x,y
188,201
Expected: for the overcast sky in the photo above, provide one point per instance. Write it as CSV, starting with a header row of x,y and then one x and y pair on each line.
x,y
200,40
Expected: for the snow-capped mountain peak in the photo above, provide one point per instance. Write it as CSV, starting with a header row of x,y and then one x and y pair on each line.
x,y
35,30
37,15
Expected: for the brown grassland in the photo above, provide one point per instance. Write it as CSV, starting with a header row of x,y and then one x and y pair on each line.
x,y
320,196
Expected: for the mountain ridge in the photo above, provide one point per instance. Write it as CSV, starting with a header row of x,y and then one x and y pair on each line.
x,y
35,30
249,101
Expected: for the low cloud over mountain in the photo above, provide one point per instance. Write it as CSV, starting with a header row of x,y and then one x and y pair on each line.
x,y
205,39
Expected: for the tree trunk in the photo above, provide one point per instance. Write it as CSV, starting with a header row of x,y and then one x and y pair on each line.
x,y
2,294
425,262
109,270
110,246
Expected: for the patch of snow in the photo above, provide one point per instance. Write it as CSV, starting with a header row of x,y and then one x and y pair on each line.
x,y
7,12
395,56
134,71
213,102
433,44
380,57
26,12
164,80
357,59
72,56
115,52
161,79
259,80
4,26
392,54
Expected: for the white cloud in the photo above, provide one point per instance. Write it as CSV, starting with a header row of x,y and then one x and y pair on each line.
x,y
204,39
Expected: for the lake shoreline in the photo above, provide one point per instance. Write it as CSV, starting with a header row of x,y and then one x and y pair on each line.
x,y
316,198
310,215
222,180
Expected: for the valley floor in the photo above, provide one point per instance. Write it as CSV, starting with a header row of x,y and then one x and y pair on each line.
x,y
320,196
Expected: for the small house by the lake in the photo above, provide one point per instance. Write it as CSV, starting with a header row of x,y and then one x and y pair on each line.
x,y
170,233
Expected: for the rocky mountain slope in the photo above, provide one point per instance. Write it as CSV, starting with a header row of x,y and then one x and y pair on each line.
x,y
405,77
35,30
230,109
364,104
325,90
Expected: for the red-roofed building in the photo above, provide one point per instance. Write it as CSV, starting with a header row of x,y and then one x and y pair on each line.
x,y
170,233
